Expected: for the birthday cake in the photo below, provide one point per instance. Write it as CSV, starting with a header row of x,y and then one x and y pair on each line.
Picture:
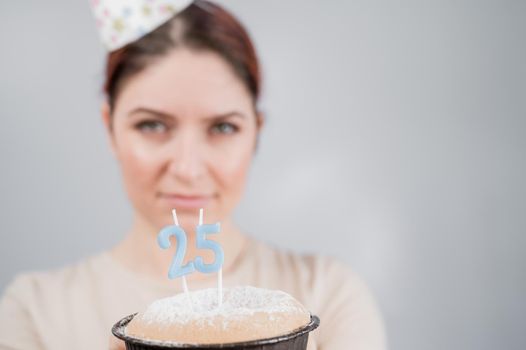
x,y
245,314
235,318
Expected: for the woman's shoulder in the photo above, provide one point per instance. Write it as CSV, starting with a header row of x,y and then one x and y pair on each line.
x,y
41,309
317,278
330,289
40,284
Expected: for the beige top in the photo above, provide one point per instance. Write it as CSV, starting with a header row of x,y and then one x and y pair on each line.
x,y
75,307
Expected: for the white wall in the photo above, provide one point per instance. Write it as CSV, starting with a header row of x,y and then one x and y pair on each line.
x,y
395,141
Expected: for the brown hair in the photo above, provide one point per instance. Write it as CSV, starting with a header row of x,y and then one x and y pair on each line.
x,y
201,26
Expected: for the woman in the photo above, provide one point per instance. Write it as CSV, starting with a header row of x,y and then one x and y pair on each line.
x,y
182,120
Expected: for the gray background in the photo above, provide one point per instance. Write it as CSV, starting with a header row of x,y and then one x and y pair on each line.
x,y
395,141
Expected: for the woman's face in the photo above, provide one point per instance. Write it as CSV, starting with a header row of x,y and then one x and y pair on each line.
x,y
184,131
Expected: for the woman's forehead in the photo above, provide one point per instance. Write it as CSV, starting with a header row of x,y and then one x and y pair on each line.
x,y
186,81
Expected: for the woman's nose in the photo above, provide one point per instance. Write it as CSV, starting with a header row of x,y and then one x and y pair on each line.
x,y
186,158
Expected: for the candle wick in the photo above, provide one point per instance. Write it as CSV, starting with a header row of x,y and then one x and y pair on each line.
x,y
220,287
187,293
185,285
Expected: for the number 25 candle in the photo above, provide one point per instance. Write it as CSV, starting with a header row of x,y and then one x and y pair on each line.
x,y
202,230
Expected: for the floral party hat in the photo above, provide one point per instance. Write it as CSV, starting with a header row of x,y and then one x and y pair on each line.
x,y
121,22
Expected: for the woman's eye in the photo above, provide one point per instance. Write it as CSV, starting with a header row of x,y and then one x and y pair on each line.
x,y
224,128
151,126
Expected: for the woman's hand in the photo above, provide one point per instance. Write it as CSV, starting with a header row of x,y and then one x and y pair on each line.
x,y
116,344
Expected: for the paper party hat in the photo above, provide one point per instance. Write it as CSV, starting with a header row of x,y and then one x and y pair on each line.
x,y
121,22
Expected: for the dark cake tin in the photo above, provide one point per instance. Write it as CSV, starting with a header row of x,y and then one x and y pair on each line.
x,y
296,340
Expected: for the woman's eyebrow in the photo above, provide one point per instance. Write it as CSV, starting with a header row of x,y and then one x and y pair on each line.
x,y
226,115
151,111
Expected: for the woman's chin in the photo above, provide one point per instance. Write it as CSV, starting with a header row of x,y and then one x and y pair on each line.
x,y
189,217
185,203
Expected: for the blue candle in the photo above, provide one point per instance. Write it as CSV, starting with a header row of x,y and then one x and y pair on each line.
x,y
176,270
203,243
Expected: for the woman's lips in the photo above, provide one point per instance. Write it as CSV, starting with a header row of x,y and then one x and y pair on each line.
x,y
179,201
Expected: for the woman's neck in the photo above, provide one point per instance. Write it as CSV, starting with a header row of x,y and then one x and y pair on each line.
x,y
140,252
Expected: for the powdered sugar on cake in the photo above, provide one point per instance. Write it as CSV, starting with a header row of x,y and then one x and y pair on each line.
x,y
238,303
